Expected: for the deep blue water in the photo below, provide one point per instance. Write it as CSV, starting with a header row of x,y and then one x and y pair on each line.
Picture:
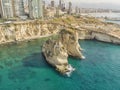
x,y
22,67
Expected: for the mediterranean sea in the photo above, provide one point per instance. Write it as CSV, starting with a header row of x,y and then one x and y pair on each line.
x,y
23,67
109,15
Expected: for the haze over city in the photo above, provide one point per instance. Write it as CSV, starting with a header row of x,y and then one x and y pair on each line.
x,y
107,4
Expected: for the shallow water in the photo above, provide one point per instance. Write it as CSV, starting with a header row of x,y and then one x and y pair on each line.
x,y
22,67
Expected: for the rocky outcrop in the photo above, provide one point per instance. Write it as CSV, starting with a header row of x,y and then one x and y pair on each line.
x,y
25,30
69,39
100,36
57,51
87,27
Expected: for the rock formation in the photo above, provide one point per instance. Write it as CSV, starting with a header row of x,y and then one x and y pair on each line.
x,y
69,39
87,28
57,51
25,30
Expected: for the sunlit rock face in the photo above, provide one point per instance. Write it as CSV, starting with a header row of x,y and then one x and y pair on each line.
x,y
57,51
69,39
19,31
100,36
55,54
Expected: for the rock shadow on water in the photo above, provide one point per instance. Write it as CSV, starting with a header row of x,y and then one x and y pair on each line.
x,y
25,72
36,60
21,74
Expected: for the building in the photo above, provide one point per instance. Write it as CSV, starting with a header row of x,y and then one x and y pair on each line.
x,y
60,4
70,8
26,9
6,8
76,10
44,5
0,9
12,8
35,9
19,8
63,7
52,3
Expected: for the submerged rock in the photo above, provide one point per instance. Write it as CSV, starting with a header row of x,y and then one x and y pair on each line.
x,y
57,51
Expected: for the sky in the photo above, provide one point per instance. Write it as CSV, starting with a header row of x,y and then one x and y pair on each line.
x,y
95,1
107,4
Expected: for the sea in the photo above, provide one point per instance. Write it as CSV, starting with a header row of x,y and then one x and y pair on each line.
x,y
23,67
108,15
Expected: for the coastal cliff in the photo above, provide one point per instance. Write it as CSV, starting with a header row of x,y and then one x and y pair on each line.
x,y
87,28
25,30
57,51
104,37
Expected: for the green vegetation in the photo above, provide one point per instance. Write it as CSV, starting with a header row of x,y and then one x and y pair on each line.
x,y
76,20
69,31
2,20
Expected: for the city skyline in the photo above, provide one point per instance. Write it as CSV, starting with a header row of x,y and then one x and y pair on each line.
x,y
105,4
95,1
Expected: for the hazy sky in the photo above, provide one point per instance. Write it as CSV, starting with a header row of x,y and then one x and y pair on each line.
x,y
96,1
109,4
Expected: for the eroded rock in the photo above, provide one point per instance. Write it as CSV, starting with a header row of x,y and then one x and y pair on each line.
x,y
57,51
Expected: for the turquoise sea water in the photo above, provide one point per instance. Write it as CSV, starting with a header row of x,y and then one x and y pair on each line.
x,y
22,67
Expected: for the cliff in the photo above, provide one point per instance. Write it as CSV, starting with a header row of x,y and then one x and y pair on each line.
x,y
25,30
57,51
87,28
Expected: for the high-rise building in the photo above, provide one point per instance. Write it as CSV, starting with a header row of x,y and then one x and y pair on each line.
x,y
79,10
76,10
60,3
6,9
44,5
35,8
63,7
12,8
52,3
0,9
70,8
26,9
19,8
57,12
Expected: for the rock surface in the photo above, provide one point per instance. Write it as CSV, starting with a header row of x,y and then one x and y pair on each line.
x,y
87,27
57,51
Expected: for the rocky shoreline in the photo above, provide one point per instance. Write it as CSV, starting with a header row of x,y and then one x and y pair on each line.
x,y
57,51
94,35
25,31
69,29
87,27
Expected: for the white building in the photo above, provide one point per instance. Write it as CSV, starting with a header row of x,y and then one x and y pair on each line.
x,y
35,8
19,8
7,8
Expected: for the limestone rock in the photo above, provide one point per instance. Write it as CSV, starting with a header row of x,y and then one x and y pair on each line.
x,y
56,51
69,38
